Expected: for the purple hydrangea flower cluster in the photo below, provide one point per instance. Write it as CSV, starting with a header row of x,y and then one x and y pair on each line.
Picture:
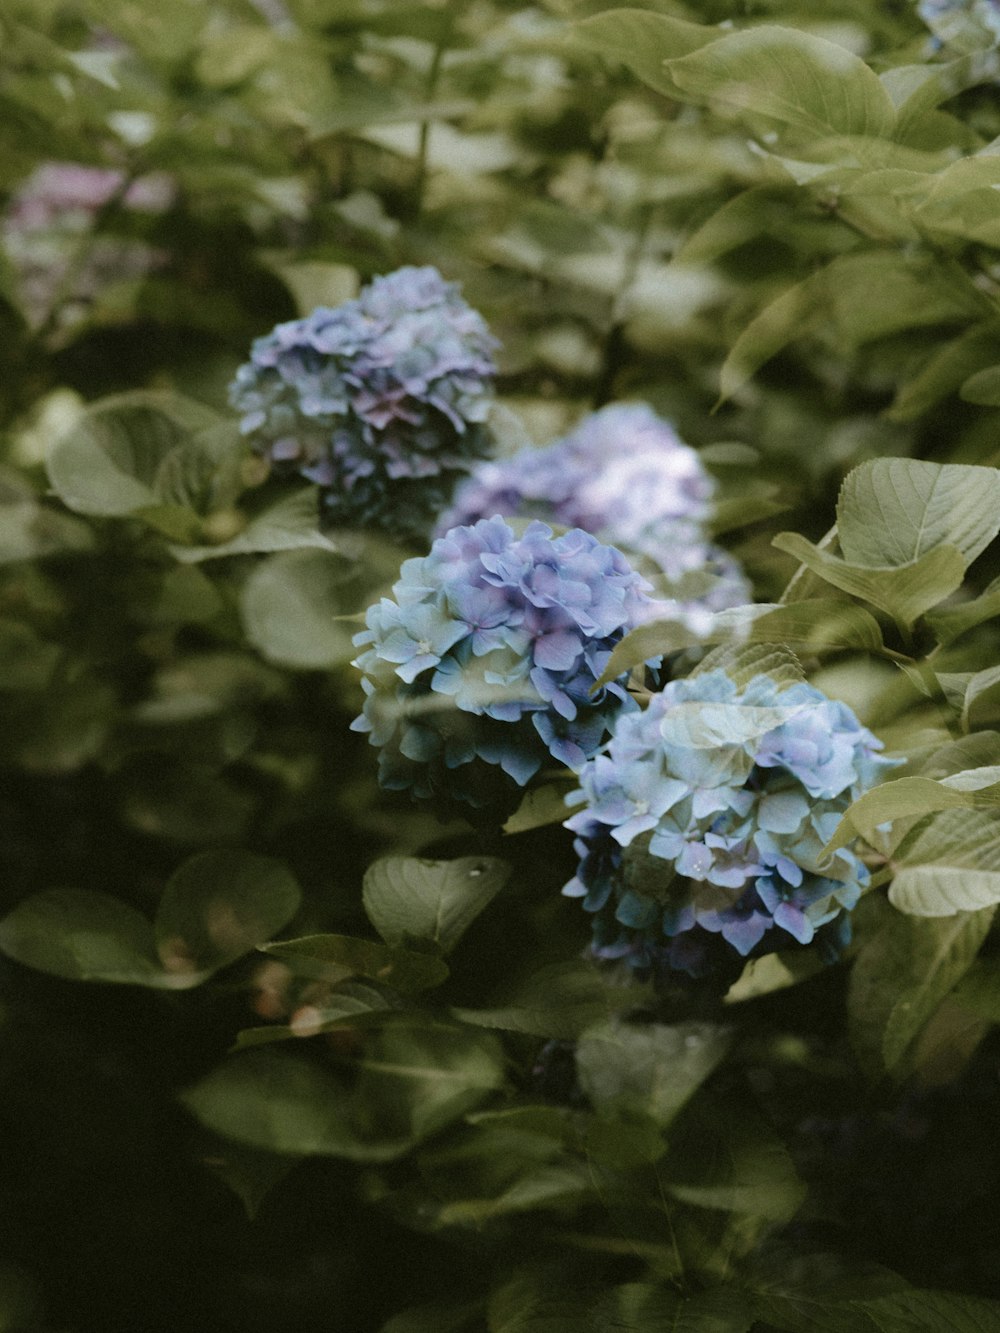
x,y
704,822
481,669
61,262
625,475
381,401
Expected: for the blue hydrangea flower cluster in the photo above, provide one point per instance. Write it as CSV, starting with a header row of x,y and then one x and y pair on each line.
x,y
480,670
381,401
625,475
704,821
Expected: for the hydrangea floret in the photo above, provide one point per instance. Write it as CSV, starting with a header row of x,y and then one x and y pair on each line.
x,y
703,824
380,401
623,474
479,669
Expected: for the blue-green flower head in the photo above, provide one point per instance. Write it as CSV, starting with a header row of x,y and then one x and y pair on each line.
x,y
625,475
381,401
480,668
703,822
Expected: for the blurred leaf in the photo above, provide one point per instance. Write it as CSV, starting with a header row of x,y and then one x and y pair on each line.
x,y
901,975
643,1308
983,387
290,606
409,899
643,41
560,1000
773,972
31,531
347,1005
732,1161
892,511
451,1318
979,990
962,200
218,906
914,293
411,1080
334,957
649,1070
290,523
250,1173
114,459
947,369
905,592
66,726
83,936
790,78
26,661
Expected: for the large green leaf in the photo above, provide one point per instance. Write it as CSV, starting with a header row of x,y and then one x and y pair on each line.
x,y
643,41
961,201
914,292
790,78
903,972
950,623
892,511
120,456
293,609
972,693
83,936
287,525
409,899
218,906
906,797
643,1308
904,592
950,866
649,1070
410,1080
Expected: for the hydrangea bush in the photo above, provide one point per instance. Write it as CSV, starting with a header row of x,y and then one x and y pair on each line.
x,y
484,665
381,401
705,821
624,474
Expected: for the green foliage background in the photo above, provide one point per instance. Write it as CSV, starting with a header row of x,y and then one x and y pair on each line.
x,y
278,1052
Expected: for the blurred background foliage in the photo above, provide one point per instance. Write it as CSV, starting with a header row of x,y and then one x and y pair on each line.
x,y
776,222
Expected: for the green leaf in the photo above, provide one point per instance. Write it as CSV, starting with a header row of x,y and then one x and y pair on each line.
x,y
83,936
335,957
901,975
540,807
949,368
742,662
560,1000
288,525
648,1070
949,867
31,531
26,661
732,1161
349,1004
408,899
914,292
967,689
961,200
983,387
953,622
906,797
111,461
643,41
292,606
892,511
932,1312
905,592
218,906
773,972
250,1173
412,1079
790,78
979,990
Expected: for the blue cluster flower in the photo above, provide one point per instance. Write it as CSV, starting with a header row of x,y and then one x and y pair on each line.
x,y
480,668
381,401
625,475
703,823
